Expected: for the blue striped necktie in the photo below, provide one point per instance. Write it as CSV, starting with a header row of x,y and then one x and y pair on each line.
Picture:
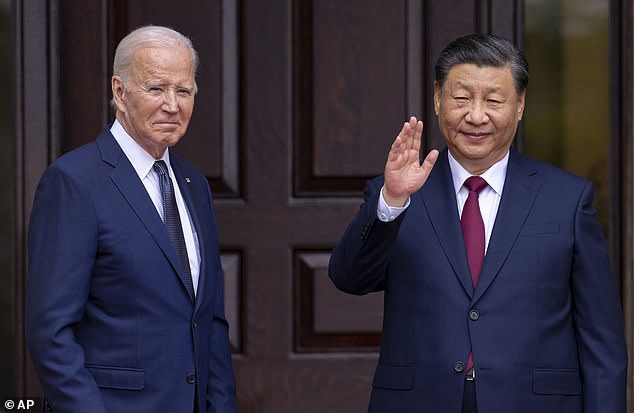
x,y
172,221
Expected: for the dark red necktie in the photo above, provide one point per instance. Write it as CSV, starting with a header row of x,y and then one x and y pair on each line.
x,y
473,232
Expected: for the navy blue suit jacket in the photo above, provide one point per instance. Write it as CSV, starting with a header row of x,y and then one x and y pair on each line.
x,y
544,320
110,324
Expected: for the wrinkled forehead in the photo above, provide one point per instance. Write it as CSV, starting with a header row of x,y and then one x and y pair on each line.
x,y
174,63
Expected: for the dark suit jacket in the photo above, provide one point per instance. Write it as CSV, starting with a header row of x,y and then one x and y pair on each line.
x,y
544,321
110,325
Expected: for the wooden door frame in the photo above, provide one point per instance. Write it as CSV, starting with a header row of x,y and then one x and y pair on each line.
x,y
34,132
622,165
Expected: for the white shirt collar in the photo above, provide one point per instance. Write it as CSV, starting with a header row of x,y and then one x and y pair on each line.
x,y
139,158
495,175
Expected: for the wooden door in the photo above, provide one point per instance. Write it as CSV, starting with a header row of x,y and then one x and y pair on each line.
x,y
298,104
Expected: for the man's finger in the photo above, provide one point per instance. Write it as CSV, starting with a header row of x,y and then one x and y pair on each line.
x,y
396,149
418,133
411,129
429,162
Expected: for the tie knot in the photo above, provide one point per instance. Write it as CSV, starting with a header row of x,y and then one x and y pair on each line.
x,y
475,183
160,167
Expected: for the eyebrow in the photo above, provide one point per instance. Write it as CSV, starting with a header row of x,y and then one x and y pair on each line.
x,y
159,82
494,89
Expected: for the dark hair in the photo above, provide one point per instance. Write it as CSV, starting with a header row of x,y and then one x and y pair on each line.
x,y
483,50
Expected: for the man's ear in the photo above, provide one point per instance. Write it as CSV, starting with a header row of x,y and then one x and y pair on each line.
x,y
118,92
521,105
437,93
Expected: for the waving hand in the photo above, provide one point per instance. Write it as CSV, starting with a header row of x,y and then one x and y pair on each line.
x,y
404,174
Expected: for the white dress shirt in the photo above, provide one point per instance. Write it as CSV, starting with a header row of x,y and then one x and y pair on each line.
x,y
143,163
489,198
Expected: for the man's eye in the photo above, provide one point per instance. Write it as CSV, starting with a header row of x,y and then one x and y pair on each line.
x,y
184,92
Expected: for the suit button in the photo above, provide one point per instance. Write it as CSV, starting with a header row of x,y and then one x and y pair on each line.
x,y
191,378
474,315
458,367
194,325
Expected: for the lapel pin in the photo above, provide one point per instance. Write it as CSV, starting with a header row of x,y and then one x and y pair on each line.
x,y
188,180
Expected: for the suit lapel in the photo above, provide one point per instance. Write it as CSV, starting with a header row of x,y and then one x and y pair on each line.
x,y
517,200
440,201
134,192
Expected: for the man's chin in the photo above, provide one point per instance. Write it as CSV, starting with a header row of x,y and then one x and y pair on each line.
x,y
169,137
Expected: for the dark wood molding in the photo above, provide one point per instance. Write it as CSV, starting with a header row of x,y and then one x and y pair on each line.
x,y
326,320
34,133
622,165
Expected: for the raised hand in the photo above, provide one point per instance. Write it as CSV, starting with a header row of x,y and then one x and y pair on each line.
x,y
404,174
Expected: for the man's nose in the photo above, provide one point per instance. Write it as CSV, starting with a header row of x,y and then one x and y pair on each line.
x,y
477,114
170,101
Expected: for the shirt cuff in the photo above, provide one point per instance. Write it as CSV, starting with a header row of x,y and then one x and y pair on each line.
x,y
387,213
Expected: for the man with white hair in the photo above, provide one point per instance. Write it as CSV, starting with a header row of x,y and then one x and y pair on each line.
x,y
125,306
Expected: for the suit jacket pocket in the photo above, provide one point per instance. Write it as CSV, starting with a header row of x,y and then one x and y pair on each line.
x,y
394,376
121,378
556,381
